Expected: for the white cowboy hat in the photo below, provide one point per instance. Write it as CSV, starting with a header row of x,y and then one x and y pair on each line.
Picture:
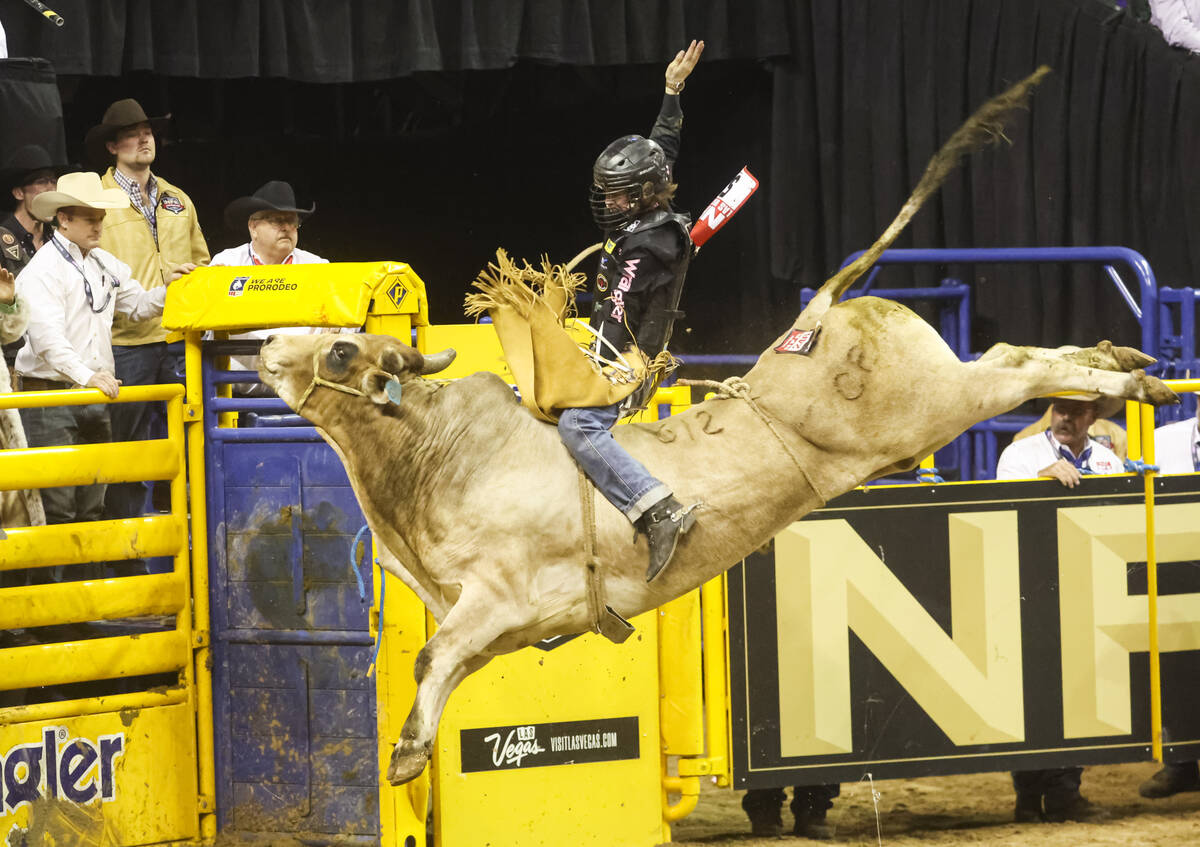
x,y
1106,407
78,189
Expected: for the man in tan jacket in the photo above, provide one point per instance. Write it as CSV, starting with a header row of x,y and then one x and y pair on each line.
x,y
155,235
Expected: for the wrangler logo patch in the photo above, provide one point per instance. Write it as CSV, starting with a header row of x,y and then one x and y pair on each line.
x,y
618,296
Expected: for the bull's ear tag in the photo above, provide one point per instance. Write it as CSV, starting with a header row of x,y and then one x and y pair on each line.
x,y
799,341
393,390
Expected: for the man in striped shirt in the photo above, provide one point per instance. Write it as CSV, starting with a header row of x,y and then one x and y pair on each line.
x,y
156,234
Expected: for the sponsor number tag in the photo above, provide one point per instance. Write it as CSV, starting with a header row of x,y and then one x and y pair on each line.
x,y
799,341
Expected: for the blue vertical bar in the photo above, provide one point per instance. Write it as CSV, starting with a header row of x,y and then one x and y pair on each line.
x,y
218,571
1187,345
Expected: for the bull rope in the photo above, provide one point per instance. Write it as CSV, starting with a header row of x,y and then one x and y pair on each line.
x,y
736,388
605,621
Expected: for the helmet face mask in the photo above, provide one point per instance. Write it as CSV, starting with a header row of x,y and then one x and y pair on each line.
x,y
629,178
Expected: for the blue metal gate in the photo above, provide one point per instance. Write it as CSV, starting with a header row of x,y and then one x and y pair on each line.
x,y
294,708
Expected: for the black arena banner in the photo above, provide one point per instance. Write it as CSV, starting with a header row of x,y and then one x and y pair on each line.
x,y
540,745
920,630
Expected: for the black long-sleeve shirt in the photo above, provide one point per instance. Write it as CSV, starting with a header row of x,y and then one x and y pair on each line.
x,y
640,260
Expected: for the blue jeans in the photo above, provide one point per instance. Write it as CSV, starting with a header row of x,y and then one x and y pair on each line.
x,y
617,475
143,364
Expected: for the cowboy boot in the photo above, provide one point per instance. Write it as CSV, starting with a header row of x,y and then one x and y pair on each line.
x,y
663,523
1172,779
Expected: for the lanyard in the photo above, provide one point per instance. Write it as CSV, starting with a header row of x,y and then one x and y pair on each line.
x,y
1065,453
87,286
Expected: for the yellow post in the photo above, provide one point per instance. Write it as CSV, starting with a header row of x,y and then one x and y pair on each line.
x,y
206,754
1147,433
715,624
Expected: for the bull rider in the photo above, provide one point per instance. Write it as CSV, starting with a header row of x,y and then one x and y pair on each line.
x,y
636,293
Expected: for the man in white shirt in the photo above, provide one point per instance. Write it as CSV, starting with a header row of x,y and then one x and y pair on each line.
x,y
1179,21
1177,446
273,220
1176,450
72,289
1064,451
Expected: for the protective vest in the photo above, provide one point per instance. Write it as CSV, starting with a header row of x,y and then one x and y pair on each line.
x,y
665,236
13,255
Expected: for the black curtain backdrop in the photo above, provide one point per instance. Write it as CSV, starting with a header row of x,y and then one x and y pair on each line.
x,y
31,109
435,132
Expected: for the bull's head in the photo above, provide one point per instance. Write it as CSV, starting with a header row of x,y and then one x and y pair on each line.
x,y
372,366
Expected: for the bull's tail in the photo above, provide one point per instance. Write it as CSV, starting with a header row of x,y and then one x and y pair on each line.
x,y
984,127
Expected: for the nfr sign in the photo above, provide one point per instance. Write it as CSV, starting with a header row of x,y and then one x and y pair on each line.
x,y
912,631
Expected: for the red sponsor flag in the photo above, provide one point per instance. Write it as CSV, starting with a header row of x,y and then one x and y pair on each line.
x,y
724,206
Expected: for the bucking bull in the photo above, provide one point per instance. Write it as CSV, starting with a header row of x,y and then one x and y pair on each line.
x,y
475,504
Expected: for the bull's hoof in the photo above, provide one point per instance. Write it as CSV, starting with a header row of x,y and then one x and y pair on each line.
x,y
1126,358
407,763
1154,391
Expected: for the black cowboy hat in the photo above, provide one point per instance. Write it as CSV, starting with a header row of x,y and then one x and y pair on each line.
x,y
25,161
276,196
119,115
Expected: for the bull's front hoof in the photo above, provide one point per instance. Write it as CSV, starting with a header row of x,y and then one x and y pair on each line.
x,y
407,763
1154,391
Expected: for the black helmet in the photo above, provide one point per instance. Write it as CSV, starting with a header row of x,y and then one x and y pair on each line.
x,y
634,168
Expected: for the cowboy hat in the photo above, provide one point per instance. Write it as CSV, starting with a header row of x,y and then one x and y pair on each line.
x,y
1106,406
25,161
275,196
119,115
78,189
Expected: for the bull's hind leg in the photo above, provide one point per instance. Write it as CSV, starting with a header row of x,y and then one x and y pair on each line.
x,y
1017,374
452,654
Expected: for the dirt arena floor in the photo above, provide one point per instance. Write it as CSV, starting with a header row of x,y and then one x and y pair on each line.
x,y
974,809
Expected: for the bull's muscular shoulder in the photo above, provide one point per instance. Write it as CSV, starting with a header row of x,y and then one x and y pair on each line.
x,y
484,389
489,383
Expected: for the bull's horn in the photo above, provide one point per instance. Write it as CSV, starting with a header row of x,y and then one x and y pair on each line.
x,y
438,361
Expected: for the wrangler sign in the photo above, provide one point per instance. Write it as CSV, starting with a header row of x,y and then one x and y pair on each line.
x,y
991,626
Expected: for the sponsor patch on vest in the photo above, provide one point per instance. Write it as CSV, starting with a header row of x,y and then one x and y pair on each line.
x,y
13,252
8,238
602,283
799,341
1106,440
171,203
609,246
540,745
